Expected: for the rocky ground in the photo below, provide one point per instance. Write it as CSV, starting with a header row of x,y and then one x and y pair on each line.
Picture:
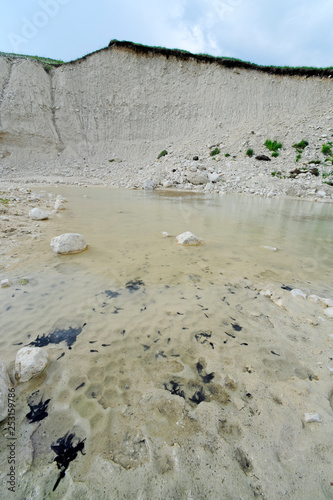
x,y
196,169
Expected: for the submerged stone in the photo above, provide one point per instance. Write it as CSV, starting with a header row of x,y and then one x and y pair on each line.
x,y
187,238
30,362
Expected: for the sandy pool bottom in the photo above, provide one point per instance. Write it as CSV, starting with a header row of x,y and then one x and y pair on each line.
x,y
190,386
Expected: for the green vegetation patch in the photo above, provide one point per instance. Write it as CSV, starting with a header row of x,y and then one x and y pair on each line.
x,y
273,146
250,152
326,149
300,146
162,153
214,152
4,201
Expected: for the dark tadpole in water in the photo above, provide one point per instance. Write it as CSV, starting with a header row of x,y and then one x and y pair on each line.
x,y
286,287
174,388
110,294
66,452
79,386
37,411
236,327
160,353
208,377
198,396
60,335
134,285
61,356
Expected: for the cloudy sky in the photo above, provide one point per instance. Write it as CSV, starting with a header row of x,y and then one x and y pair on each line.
x,y
283,32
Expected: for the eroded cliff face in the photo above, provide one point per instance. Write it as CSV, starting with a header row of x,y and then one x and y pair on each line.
x,y
119,103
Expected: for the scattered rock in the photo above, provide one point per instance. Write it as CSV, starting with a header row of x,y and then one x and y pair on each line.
x,y
195,158
38,214
167,184
326,302
165,234
4,387
312,417
149,184
5,283
214,177
263,158
68,243
266,293
197,178
30,362
273,249
60,202
187,238
59,205
329,312
298,293
314,298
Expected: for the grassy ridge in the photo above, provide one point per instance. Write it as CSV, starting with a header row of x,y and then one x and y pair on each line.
x,y
228,62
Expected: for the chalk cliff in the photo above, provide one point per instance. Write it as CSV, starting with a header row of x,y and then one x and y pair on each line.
x,y
131,103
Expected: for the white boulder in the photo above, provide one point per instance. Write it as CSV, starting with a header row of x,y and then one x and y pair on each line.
x,y
4,386
38,214
326,302
68,243
197,178
30,362
296,292
329,312
214,177
5,283
187,238
149,184
60,202
312,417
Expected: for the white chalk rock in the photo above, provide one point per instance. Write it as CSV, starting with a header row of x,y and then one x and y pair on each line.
x,y
298,293
187,238
326,302
38,214
214,177
167,184
4,387
314,298
68,243
30,362
165,234
272,249
5,283
197,178
312,417
330,370
61,198
329,312
149,184
266,293
59,205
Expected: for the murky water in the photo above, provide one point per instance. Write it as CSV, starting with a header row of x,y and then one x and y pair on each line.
x,y
154,347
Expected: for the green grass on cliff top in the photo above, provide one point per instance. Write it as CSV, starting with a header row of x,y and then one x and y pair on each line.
x,y
158,49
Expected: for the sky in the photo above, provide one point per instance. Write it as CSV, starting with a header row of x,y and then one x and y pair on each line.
x,y
280,33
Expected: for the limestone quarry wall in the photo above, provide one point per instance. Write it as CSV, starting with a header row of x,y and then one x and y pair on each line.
x,y
120,103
